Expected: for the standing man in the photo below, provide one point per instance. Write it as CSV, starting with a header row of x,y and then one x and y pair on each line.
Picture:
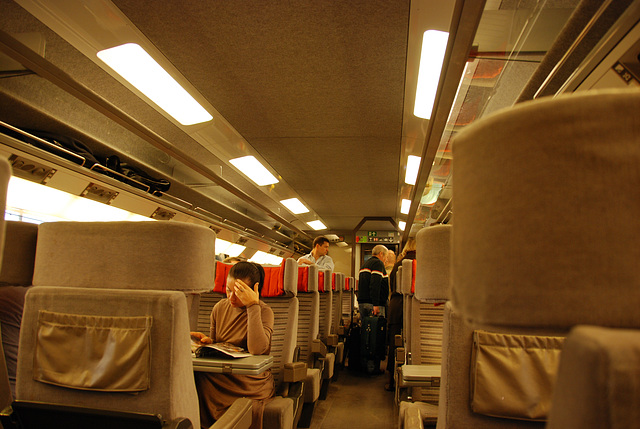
x,y
319,255
373,286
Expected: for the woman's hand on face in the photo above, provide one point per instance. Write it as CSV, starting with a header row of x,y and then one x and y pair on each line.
x,y
246,295
201,338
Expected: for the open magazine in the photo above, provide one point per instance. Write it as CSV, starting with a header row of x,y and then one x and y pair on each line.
x,y
220,350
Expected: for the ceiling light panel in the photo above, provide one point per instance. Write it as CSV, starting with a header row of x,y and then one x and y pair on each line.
x,y
405,206
227,248
413,167
434,46
317,225
264,258
138,68
402,225
251,167
294,206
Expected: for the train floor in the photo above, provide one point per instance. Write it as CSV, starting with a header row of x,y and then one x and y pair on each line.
x,y
356,400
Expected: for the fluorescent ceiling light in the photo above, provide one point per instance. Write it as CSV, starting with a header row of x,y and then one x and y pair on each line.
x,y
341,244
42,203
332,237
317,225
255,171
227,248
413,166
434,46
137,67
402,225
294,205
264,258
405,206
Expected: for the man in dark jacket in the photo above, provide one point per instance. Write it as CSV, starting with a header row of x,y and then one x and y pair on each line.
x,y
373,284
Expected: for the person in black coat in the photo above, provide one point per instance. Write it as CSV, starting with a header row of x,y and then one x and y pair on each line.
x,y
373,286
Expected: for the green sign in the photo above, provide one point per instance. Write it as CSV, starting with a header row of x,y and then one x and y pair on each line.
x,y
372,234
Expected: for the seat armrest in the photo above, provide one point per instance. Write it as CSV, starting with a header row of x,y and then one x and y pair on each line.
x,y
237,416
179,423
295,371
319,363
7,419
398,341
332,340
318,347
400,355
296,393
296,354
413,419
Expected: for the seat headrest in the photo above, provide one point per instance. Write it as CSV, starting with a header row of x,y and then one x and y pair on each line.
x,y
546,216
348,282
337,282
162,255
20,253
281,280
433,255
408,276
308,278
222,271
325,277
278,280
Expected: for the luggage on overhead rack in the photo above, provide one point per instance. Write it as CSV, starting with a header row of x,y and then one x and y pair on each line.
x,y
65,147
156,186
79,153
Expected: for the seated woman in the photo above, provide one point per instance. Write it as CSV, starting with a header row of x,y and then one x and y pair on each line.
x,y
241,319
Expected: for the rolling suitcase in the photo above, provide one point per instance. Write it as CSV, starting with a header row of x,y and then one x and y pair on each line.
x,y
353,347
373,337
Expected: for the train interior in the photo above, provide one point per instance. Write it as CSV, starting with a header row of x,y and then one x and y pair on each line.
x,y
318,118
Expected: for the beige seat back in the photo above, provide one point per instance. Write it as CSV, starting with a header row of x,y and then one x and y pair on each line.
x,y
281,412
326,298
285,308
16,276
524,278
597,380
308,327
309,311
5,387
347,301
432,290
112,287
336,319
337,286
324,328
406,283
206,301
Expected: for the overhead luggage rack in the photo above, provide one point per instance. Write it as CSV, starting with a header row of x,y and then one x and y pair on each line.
x,y
76,158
